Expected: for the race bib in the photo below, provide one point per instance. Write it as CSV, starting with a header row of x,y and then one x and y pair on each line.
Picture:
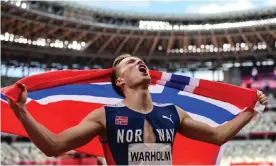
x,y
150,154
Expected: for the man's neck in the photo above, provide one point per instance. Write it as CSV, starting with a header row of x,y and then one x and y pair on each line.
x,y
138,100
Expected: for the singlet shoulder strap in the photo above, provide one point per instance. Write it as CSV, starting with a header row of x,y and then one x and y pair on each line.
x,y
120,104
162,104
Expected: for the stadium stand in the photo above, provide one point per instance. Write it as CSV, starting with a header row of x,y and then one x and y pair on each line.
x,y
238,48
256,151
263,123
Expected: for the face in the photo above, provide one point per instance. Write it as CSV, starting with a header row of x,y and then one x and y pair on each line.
x,y
133,72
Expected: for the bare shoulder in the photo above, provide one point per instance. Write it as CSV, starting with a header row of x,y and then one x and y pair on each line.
x,y
182,113
97,115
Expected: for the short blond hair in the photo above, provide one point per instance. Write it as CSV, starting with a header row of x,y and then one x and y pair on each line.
x,y
114,73
119,59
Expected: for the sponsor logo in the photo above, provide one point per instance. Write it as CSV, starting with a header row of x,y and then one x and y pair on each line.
x,y
165,117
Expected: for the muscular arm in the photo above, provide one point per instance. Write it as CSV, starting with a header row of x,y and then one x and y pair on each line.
x,y
53,144
216,135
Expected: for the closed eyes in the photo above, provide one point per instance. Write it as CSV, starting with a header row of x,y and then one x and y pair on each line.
x,y
130,61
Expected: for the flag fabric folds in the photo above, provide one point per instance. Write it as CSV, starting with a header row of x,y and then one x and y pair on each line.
x,y
61,99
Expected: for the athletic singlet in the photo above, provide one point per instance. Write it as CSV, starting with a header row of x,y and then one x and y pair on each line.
x,y
125,139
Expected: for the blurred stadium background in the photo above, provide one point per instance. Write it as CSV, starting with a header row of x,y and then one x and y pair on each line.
x,y
232,47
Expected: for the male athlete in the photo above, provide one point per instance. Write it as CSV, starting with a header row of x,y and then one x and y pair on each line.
x,y
135,131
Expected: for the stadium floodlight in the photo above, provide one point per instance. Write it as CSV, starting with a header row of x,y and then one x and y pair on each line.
x,y
25,41
226,47
18,3
157,25
176,27
2,37
227,65
24,5
264,63
11,38
242,45
270,62
6,38
247,64
216,49
7,34
237,64
20,40
160,48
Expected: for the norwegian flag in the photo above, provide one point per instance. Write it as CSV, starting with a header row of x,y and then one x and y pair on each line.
x,y
121,120
61,99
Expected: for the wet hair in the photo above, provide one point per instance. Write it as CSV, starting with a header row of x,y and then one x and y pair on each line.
x,y
114,74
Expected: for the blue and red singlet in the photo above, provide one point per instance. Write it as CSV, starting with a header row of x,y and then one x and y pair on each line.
x,y
125,139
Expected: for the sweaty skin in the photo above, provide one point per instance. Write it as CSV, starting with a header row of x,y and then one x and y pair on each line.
x,y
134,84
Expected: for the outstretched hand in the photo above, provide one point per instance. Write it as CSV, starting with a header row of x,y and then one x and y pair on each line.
x,y
262,97
21,101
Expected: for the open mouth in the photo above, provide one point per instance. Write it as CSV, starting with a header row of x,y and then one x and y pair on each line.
x,y
143,69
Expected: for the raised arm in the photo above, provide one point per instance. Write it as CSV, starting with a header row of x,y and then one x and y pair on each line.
x,y
216,135
53,144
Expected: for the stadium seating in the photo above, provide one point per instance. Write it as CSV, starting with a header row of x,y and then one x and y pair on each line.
x,y
250,151
19,152
27,153
262,123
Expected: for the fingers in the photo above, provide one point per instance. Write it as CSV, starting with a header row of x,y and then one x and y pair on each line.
x,y
22,87
24,91
259,93
262,98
